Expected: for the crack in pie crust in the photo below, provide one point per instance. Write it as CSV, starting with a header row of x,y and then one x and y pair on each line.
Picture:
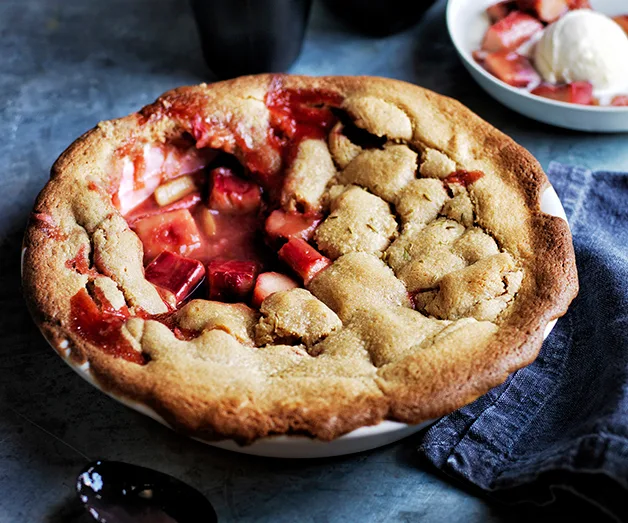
x,y
391,241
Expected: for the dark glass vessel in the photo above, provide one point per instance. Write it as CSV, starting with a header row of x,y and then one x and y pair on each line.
x,y
379,17
250,36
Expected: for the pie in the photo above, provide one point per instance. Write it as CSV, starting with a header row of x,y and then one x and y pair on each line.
x,y
290,255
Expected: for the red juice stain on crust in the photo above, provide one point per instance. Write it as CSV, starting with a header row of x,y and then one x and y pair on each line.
x,y
45,223
464,178
299,114
102,327
133,150
80,263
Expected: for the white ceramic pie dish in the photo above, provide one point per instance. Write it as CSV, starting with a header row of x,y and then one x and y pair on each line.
x,y
364,438
467,22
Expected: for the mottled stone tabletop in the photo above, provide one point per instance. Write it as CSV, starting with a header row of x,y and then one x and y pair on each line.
x,y
65,65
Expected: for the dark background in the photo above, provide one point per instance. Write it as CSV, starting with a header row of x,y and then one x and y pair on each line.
x,y
66,65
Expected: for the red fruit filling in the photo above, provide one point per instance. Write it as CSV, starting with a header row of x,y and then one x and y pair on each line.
x,y
233,195
283,225
173,231
575,93
303,259
231,280
269,283
510,32
202,215
176,276
464,178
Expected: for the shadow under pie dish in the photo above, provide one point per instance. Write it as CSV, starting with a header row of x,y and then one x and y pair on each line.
x,y
285,255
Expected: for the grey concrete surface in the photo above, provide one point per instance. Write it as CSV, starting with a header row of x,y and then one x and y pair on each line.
x,y
66,64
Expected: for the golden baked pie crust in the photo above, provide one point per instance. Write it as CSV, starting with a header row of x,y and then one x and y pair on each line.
x,y
374,358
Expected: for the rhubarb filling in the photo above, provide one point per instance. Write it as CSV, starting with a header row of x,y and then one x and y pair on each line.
x,y
211,226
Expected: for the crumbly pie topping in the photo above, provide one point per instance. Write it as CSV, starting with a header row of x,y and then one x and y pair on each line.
x,y
277,255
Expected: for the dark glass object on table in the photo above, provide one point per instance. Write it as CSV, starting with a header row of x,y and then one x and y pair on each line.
x,y
379,17
250,36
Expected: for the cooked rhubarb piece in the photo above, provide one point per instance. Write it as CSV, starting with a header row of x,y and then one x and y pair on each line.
x,y
285,225
231,194
620,101
176,276
149,208
269,283
231,280
510,32
578,4
622,20
174,190
575,93
545,10
173,231
304,259
512,68
207,221
501,10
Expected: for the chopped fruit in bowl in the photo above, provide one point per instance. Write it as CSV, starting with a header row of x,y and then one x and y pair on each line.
x,y
620,101
556,49
622,21
231,280
575,93
512,68
175,276
544,10
510,32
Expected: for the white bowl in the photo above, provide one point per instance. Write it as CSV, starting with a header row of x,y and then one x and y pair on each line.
x,y
467,22
364,438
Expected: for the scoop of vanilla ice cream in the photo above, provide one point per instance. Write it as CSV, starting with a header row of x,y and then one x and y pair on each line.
x,y
585,46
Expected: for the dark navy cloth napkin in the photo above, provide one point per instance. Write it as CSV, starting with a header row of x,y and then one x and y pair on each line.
x,y
562,422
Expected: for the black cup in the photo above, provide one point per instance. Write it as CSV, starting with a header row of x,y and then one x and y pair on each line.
x,y
379,17
250,36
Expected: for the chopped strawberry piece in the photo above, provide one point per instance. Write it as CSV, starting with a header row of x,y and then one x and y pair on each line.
x,y
269,283
173,231
512,68
176,276
575,93
622,20
479,55
578,4
231,194
620,101
285,225
231,280
304,259
545,10
510,32
501,10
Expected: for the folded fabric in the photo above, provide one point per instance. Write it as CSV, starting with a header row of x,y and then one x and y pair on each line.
x,y
561,423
